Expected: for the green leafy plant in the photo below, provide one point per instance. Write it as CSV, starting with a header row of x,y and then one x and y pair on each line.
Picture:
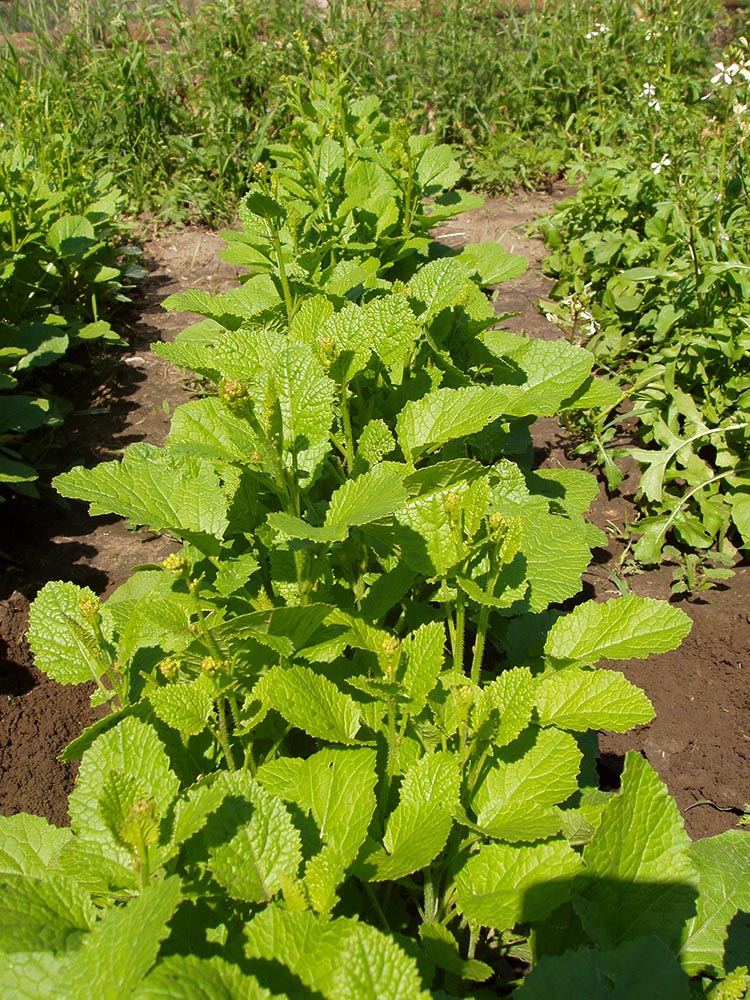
x,y
61,269
352,736
652,273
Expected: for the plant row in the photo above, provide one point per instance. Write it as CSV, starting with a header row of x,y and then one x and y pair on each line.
x,y
62,269
351,743
652,261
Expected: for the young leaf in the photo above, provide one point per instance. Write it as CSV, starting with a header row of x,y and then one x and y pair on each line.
x,y
367,498
528,778
491,264
446,414
628,627
502,709
206,428
43,915
423,660
131,748
723,864
503,885
312,703
579,699
639,877
419,826
64,639
185,707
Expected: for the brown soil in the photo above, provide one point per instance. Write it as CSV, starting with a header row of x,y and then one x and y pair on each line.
x,y
699,742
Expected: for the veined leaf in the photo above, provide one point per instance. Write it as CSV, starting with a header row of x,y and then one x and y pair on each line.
x,y
438,169
578,699
264,851
423,656
153,487
439,285
628,627
63,638
503,885
502,709
723,865
50,914
340,959
442,948
204,427
375,494
491,264
633,971
187,977
554,369
29,844
132,748
418,828
312,703
185,707
639,876
338,787
527,779
446,414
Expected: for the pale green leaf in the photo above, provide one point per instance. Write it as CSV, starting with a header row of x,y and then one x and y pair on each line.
x,y
266,849
185,707
554,371
340,959
43,915
491,264
418,828
338,787
187,977
723,865
312,703
150,486
427,536
117,954
628,627
503,885
132,748
375,494
639,877
502,709
206,428
64,642
579,699
29,844
526,780
439,285
644,969
446,414
422,656
442,948
31,976
438,169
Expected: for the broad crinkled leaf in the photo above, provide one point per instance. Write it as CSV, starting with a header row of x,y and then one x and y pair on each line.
x,y
62,638
427,537
439,285
29,844
185,707
442,947
134,749
150,486
446,414
375,494
338,787
312,703
636,970
723,865
187,977
339,959
627,627
579,699
418,828
639,876
491,264
438,169
554,371
50,914
422,656
528,778
263,852
502,709
206,428
556,552
117,954
503,885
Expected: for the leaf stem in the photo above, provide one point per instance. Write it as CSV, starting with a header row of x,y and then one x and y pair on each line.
x,y
479,642
223,733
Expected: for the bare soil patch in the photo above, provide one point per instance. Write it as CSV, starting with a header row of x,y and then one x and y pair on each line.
x,y
700,740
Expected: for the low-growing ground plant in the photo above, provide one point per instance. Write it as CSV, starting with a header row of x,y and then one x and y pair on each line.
x,y
653,274
352,736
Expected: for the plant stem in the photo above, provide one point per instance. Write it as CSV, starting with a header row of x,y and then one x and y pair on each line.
x,y
348,435
476,663
223,734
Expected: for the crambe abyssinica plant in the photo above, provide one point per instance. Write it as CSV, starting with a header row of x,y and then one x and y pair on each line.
x,y
352,735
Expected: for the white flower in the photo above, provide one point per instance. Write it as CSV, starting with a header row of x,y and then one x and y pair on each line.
x,y
658,166
739,109
654,105
648,90
599,29
725,74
